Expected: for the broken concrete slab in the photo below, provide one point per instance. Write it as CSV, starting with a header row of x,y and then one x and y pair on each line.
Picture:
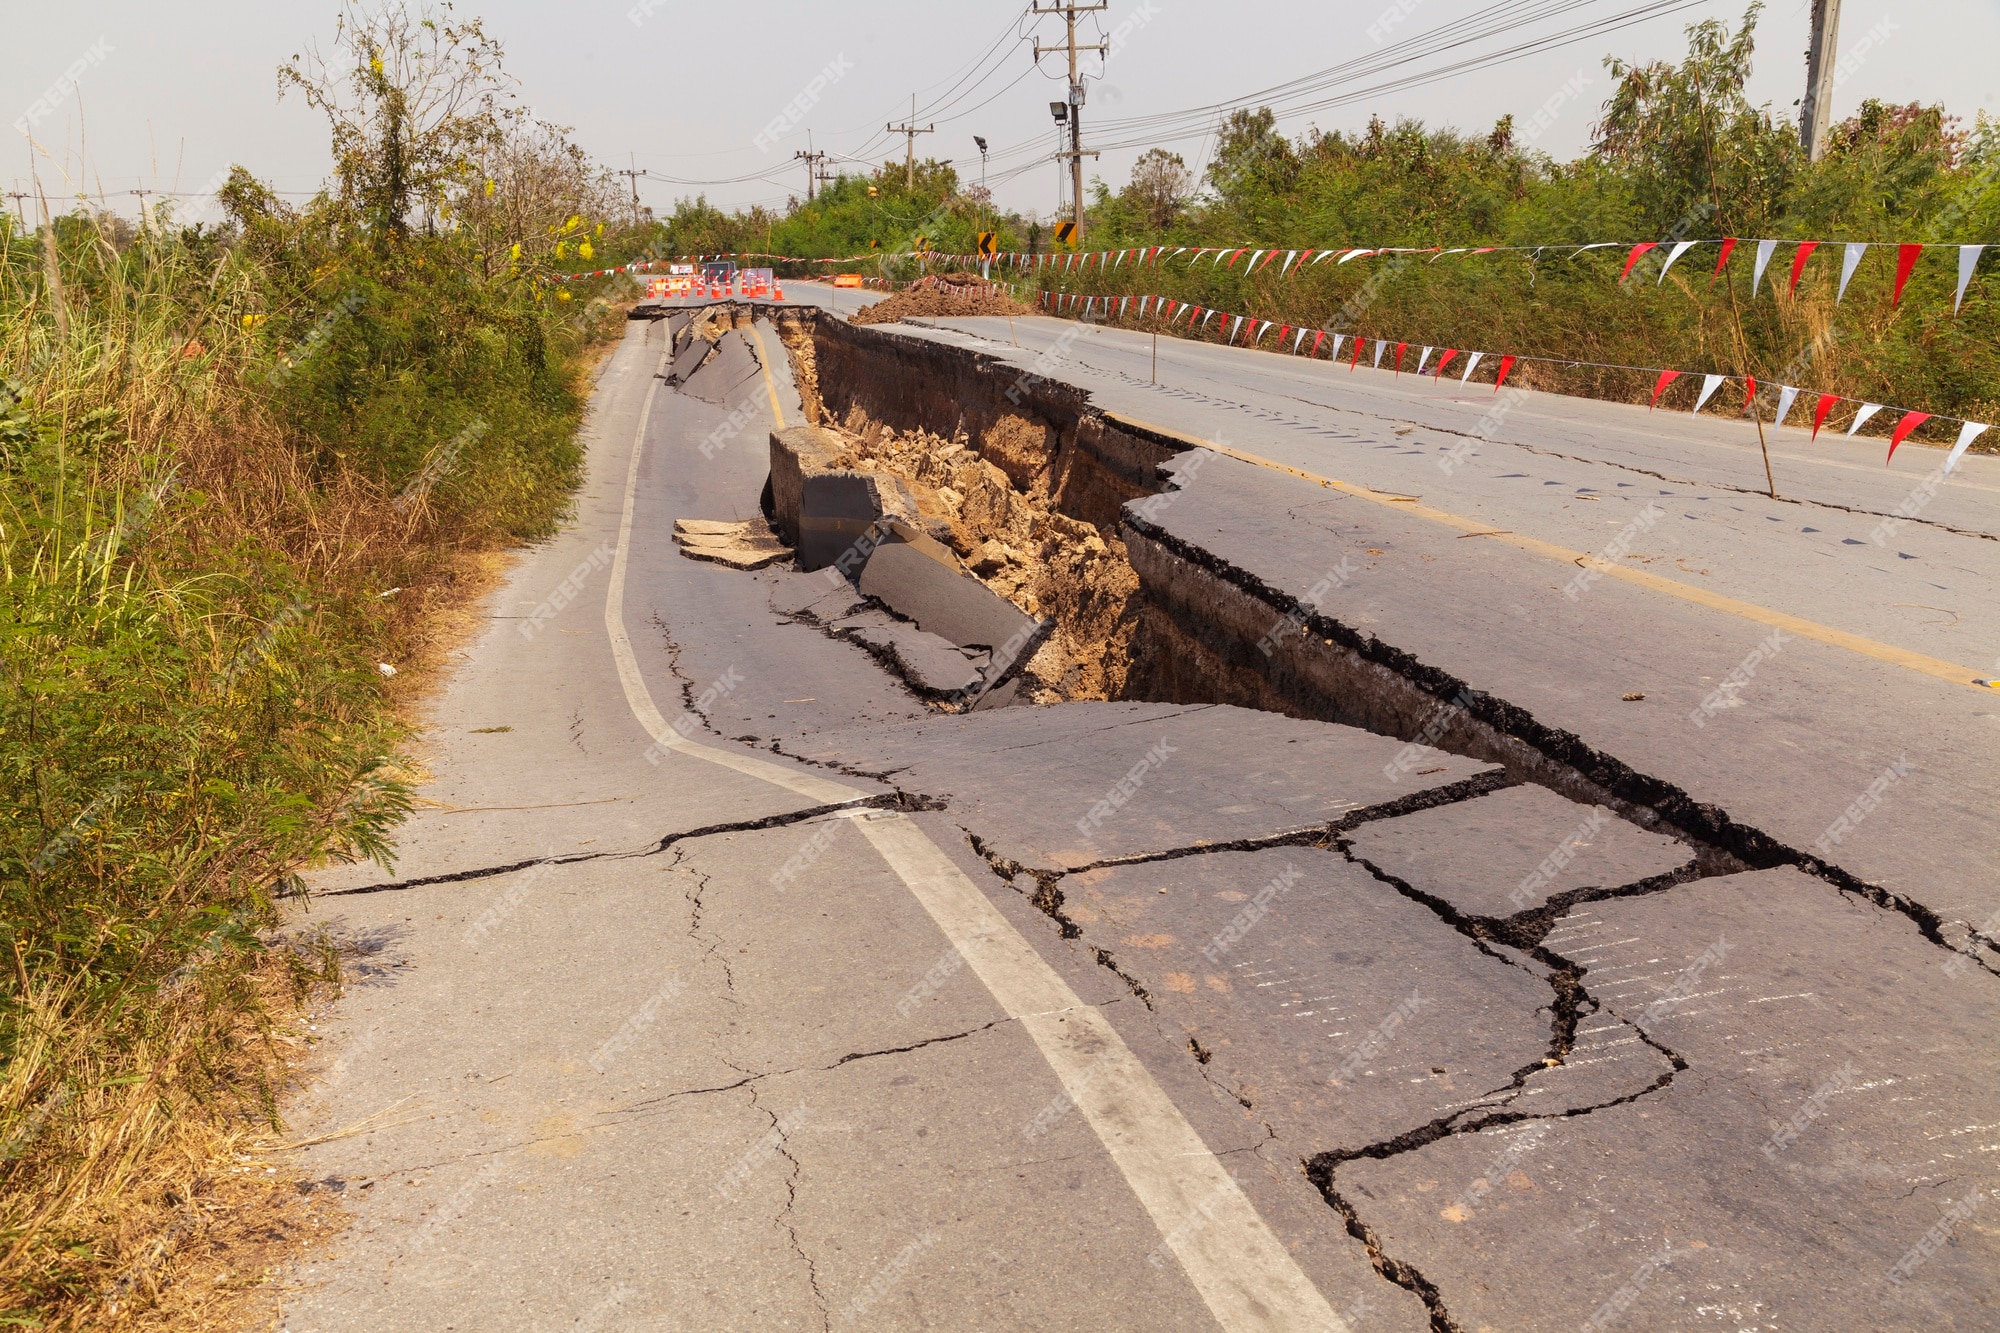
x,y
1338,1010
721,375
916,576
1822,1162
1512,851
824,510
749,544
931,665
1073,784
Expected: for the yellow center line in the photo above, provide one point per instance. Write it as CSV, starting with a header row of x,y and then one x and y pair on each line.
x,y
1715,601
770,386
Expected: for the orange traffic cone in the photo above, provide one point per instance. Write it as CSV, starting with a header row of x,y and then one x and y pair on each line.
x,y
780,292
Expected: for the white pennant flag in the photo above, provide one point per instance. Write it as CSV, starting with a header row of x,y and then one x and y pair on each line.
x,y
1967,433
1680,248
1848,262
1290,255
1336,347
1867,410
1121,306
1709,384
1765,249
1469,365
1424,359
1968,260
1787,395
1380,344
1234,327
1296,341
1355,254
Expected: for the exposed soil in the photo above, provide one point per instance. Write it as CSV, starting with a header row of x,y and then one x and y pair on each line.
x,y
1043,561
942,297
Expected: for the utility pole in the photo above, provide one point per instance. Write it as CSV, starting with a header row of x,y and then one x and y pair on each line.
x,y
1069,10
910,132
633,175
1816,111
17,196
145,219
813,169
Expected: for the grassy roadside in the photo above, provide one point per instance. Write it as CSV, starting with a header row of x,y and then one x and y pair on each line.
x,y
243,477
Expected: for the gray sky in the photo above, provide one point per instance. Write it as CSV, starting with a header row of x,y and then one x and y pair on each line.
x,y
168,95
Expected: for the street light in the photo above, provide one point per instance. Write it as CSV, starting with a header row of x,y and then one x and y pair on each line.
x,y
1060,110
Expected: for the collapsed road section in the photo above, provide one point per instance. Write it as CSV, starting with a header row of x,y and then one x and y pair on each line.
x,y
1099,525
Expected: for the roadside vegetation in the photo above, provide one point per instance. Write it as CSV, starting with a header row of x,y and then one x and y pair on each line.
x,y
1677,151
247,463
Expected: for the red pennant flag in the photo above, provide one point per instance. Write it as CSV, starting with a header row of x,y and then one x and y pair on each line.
x,y
1282,332
1449,353
1506,364
1399,357
1728,245
1633,258
1305,255
1910,421
1826,402
1906,259
1666,377
1749,394
1799,260
1234,256
1318,338
1357,355
1267,261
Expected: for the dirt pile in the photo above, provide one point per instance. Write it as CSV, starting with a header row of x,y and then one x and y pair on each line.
x,y
942,298
1042,561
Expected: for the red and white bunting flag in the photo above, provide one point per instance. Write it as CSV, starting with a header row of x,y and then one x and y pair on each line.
x,y
1633,258
1351,365
1787,395
1470,366
1709,384
1906,259
1749,393
1356,254
1849,261
1121,306
1424,359
1399,357
1968,260
1680,248
1297,341
1820,409
1967,432
1290,255
1319,338
1867,410
1121,257
1325,255
1267,263
1910,421
1666,377
1799,259
1444,361
1765,249
1506,364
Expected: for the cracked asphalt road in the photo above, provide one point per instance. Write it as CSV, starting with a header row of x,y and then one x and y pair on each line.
x,y
639,1040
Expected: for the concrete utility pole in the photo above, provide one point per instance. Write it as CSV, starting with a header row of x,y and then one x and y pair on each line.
x,y
1069,11
145,218
1816,111
910,132
17,196
813,169
633,175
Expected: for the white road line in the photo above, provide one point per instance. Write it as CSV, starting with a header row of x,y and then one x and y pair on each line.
x,y
1244,1273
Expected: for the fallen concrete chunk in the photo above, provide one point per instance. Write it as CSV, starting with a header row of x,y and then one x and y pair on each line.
x,y
721,376
746,545
931,665
829,512
917,576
